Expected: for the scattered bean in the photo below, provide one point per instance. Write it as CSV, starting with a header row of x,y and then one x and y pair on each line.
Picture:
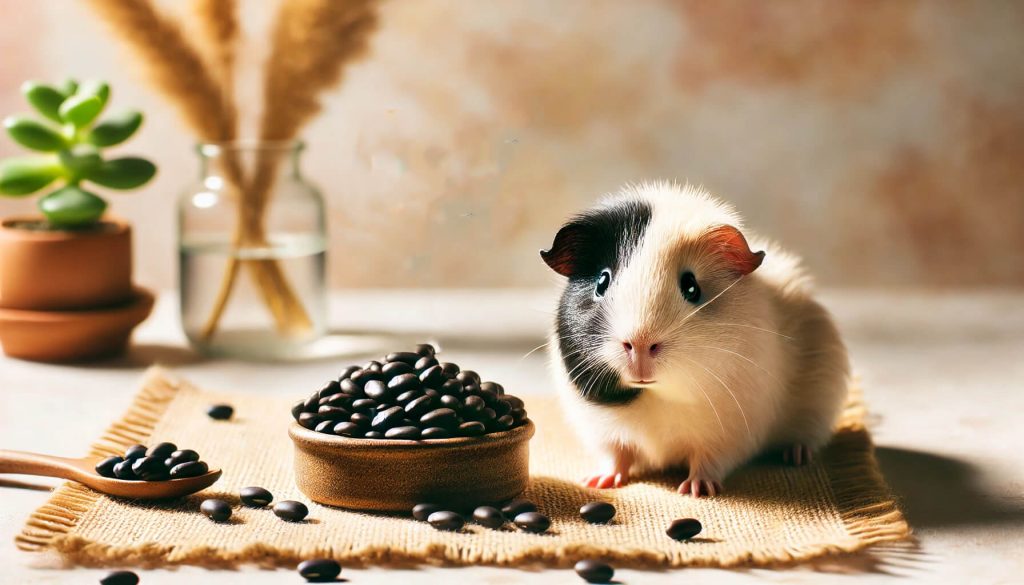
x,y
489,516
120,578
447,521
423,511
319,570
517,507
532,522
684,529
255,497
594,571
216,510
291,510
222,411
597,512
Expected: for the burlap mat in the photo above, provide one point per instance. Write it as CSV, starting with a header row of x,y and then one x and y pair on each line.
x,y
770,513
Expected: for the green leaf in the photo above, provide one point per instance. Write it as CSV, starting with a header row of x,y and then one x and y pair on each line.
x,y
68,87
115,129
32,134
44,98
27,174
72,207
123,173
80,109
94,87
80,159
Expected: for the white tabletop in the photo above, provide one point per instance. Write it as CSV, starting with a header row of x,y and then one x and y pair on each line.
x,y
943,375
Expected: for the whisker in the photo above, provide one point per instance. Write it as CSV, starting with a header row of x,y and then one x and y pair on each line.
x,y
743,357
710,403
755,327
529,353
724,385
713,299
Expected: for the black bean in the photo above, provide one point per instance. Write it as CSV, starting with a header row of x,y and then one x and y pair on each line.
x,y
393,369
347,372
445,418
450,370
340,400
363,404
408,396
135,451
319,570
423,511
255,497
513,401
472,405
387,418
425,349
182,456
486,415
220,411
378,390
331,387
123,470
403,383
435,433
450,402
326,426
503,423
403,356
216,510
410,433
519,414
470,388
425,363
431,393
373,435
161,450
517,507
452,388
684,529
312,402
189,469
594,571
363,376
149,467
494,387
106,467
348,429
362,419
298,408
333,413
120,578
447,521
597,512
309,420
472,428
488,396
468,376
351,388
290,510
432,377
419,407
373,366
532,522
489,516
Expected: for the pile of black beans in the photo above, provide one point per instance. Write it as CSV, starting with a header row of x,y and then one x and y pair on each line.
x,y
409,395
160,462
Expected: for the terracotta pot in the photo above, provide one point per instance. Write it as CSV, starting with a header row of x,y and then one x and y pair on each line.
x,y
42,270
63,336
395,475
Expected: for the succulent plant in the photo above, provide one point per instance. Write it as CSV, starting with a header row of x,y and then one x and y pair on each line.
x,y
70,140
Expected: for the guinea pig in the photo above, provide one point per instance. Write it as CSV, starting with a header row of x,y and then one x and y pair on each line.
x,y
675,344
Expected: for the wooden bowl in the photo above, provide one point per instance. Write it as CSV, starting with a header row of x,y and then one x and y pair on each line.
x,y
395,475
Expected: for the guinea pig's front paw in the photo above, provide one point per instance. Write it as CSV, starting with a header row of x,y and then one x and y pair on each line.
x,y
603,481
797,454
698,486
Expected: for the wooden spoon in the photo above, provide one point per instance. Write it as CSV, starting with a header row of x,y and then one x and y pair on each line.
x,y
84,471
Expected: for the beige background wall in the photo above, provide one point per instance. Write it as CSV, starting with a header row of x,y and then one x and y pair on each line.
x,y
884,141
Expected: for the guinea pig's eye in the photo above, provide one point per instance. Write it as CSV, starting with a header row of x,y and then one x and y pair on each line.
x,y
689,287
603,280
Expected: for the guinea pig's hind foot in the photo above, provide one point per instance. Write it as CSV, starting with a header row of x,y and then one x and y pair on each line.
x,y
697,486
797,454
604,481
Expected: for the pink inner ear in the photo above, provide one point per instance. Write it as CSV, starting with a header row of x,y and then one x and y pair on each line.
x,y
732,246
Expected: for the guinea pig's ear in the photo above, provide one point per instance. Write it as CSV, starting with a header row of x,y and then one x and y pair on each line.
x,y
731,245
565,251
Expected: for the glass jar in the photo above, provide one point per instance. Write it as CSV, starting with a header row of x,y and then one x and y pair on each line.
x,y
252,247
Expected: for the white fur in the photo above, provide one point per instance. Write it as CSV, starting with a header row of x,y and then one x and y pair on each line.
x,y
760,366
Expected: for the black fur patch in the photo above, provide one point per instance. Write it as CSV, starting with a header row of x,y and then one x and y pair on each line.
x,y
603,238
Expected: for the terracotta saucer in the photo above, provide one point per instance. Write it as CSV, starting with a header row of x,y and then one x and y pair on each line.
x,y
64,336
395,475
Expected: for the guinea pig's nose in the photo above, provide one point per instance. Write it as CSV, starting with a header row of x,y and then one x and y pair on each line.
x,y
640,348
